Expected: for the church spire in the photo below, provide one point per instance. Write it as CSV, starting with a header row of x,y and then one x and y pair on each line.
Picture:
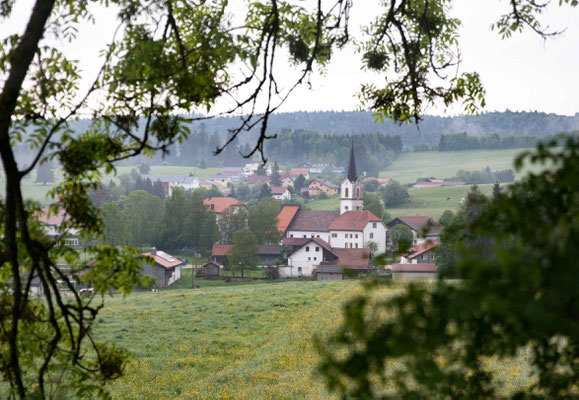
x,y
352,174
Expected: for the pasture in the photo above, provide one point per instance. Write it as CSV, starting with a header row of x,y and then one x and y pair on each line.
x,y
242,342
408,167
423,201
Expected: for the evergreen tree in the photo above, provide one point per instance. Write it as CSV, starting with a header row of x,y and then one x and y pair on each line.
x,y
264,191
275,178
299,183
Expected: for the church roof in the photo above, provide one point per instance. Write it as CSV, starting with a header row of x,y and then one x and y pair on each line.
x,y
352,174
353,221
315,221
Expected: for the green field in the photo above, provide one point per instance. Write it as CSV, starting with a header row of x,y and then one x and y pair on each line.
x,y
409,167
243,342
423,201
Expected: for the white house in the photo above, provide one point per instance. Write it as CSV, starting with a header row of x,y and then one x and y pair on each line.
x,y
184,182
305,256
357,229
280,193
311,224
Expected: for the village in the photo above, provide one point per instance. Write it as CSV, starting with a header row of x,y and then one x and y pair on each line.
x,y
312,244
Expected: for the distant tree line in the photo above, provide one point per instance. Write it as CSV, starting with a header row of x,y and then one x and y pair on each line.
x,y
463,141
484,176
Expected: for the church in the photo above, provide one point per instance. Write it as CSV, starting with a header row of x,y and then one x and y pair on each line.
x,y
350,228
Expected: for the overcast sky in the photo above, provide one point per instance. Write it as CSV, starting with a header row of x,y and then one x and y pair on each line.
x,y
521,73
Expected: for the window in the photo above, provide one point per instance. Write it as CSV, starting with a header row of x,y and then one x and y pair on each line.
x,y
315,258
432,256
358,192
346,194
71,242
371,235
307,248
291,235
374,225
356,245
317,248
299,269
424,257
346,208
305,235
317,235
309,258
312,235
356,236
334,235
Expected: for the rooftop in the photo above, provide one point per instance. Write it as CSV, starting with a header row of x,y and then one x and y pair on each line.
x,y
353,221
419,224
351,258
163,259
420,249
219,204
285,217
315,221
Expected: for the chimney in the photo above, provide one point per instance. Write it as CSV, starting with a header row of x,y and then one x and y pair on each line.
x,y
154,251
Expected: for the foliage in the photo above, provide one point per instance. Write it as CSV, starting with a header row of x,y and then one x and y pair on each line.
x,y
299,183
515,296
373,204
144,169
445,218
115,227
371,186
275,179
394,193
485,176
401,237
232,220
243,251
263,221
462,141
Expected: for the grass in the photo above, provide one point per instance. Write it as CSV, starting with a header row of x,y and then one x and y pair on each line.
x,y
408,167
423,201
247,342
244,342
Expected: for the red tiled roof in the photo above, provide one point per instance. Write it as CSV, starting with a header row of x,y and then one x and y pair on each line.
x,y
420,249
253,179
316,221
295,241
164,259
414,268
219,204
294,172
278,189
419,224
353,258
285,217
221,250
353,221
46,216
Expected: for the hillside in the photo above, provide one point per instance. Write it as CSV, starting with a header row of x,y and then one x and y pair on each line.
x,y
244,342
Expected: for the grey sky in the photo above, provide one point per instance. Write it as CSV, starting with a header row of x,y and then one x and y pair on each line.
x,y
521,73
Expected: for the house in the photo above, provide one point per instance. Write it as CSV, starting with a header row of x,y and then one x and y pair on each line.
x,y
324,186
356,229
210,269
280,193
250,168
221,181
420,254
165,268
268,253
171,182
423,228
285,179
54,224
310,224
295,172
348,263
315,168
258,180
285,217
219,204
304,255
206,184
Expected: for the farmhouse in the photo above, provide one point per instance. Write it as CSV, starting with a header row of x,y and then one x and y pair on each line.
x,y
323,186
165,268
55,226
171,182
423,228
280,193
348,263
420,254
295,172
219,204
418,263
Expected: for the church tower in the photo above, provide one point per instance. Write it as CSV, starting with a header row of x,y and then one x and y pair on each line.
x,y
351,189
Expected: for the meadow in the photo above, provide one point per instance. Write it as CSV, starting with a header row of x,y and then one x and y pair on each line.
x,y
408,167
242,342
423,201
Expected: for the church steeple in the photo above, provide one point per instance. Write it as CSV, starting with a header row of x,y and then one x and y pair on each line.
x,y
352,174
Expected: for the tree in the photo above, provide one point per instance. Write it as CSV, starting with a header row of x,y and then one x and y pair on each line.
x,y
299,183
176,210
244,250
201,227
264,191
263,221
373,204
45,172
144,169
232,220
143,213
166,62
445,218
115,228
401,237
395,194
519,298
275,179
